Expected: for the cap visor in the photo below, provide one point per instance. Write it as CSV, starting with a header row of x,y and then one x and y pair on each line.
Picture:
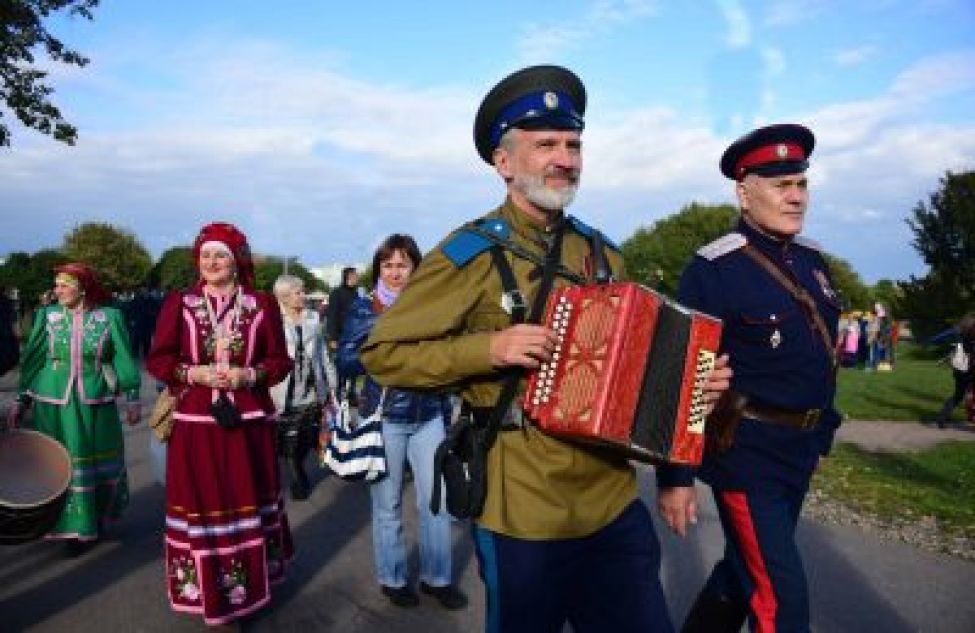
x,y
784,168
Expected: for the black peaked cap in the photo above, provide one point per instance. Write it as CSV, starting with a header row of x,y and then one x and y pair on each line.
x,y
540,78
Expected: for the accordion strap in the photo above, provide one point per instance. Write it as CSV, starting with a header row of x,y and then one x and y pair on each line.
x,y
800,294
519,251
509,284
601,270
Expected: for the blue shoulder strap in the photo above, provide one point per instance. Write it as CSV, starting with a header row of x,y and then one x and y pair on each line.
x,y
586,231
465,244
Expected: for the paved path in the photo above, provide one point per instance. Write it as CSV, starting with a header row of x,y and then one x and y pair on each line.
x,y
856,582
901,436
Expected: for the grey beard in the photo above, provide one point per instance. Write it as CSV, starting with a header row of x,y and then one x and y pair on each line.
x,y
544,197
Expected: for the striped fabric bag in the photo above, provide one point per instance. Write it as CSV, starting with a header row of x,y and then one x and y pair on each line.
x,y
354,450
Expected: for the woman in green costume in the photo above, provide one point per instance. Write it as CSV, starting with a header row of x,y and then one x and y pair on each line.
x,y
62,373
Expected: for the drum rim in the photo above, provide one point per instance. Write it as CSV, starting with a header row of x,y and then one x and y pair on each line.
x,y
63,488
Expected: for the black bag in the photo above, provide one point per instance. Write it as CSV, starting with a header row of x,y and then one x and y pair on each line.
x,y
297,430
461,460
225,412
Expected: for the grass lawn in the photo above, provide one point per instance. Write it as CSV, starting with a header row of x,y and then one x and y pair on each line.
x,y
914,391
938,483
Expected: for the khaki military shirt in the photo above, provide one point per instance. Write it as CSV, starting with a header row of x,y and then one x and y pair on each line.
x,y
437,336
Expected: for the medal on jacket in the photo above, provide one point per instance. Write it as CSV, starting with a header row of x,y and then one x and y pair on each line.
x,y
776,339
824,284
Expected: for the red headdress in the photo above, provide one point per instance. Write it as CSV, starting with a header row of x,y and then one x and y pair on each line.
x,y
230,235
95,293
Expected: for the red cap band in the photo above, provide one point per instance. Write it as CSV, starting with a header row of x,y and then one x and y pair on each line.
x,y
774,153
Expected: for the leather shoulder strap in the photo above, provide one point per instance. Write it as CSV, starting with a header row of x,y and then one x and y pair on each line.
x,y
519,251
800,294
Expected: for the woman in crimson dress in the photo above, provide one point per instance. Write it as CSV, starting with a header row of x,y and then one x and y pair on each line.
x,y
219,346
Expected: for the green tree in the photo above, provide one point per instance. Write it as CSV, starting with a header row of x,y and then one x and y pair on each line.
x,y
656,255
854,294
930,303
365,279
174,270
268,268
22,85
944,235
31,275
120,261
889,293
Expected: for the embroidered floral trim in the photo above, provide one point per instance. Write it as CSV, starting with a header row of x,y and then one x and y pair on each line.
x,y
236,343
184,571
54,317
99,316
192,301
248,302
233,581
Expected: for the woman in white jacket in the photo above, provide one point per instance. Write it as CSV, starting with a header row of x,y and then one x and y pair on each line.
x,y
300,398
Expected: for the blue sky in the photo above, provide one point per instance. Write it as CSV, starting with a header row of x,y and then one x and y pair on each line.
x,y
319,127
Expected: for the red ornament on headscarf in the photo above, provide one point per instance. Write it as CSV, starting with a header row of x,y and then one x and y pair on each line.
x,y
236,241
95,293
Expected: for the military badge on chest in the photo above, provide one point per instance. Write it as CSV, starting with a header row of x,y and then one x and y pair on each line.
x,y
824,284
776,339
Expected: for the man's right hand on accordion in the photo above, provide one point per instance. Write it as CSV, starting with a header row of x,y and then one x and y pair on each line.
x,y
522,345
678,505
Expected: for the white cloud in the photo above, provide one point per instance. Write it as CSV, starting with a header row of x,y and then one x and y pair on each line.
x,y
938,76
312,161
854,56
549,41
774,61
648,150
792,12
739,32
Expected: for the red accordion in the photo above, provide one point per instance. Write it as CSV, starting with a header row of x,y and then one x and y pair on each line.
x,y
628,372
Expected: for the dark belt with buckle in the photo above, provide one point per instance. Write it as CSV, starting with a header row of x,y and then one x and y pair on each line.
x,y
805,419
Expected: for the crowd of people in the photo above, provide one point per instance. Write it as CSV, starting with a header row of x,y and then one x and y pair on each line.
x,y
558,527
868,339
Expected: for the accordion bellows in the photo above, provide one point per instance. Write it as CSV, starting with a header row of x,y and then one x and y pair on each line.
x,y
628,372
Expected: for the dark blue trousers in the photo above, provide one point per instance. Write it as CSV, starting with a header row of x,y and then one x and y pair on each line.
x,y
608,581
761,569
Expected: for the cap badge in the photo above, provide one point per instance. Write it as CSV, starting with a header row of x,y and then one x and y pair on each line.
x,y
551,100
782,151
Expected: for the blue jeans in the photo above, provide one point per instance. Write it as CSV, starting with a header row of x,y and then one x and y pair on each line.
x,y
416,442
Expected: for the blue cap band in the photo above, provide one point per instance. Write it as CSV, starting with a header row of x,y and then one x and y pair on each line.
x,y
547,107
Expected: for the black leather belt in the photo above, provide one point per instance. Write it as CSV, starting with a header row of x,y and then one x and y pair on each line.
x,y
804,419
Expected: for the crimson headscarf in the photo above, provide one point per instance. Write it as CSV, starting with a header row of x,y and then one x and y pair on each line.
x,y
95,293
236,241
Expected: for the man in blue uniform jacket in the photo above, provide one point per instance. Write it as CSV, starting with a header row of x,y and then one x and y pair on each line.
x,y
773,290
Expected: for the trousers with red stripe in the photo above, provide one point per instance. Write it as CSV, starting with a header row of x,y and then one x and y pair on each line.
x,y
761,573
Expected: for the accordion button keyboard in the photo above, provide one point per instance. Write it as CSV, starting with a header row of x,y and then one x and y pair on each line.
x,y
696,414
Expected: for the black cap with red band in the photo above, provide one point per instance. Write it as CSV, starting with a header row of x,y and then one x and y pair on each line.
x,y
775,150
